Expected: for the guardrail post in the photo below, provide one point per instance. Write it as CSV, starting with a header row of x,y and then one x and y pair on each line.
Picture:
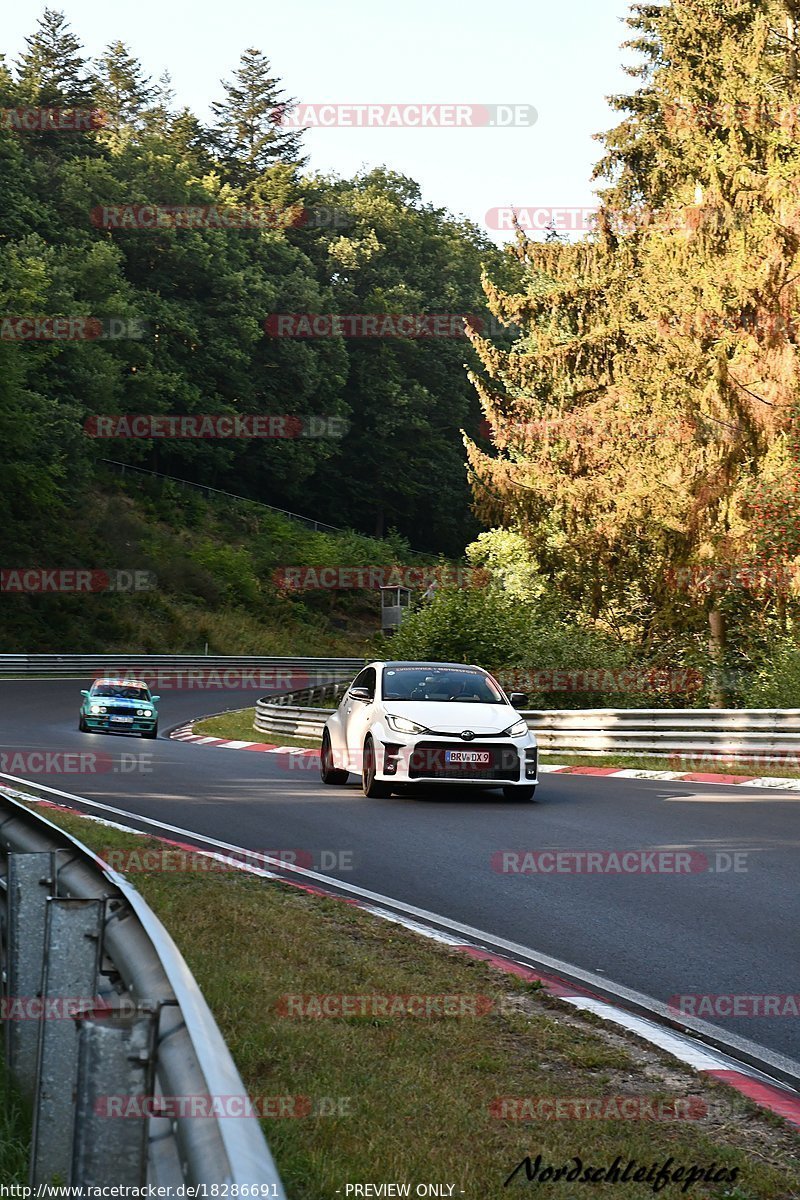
x,y
71,961
30,882
116,1068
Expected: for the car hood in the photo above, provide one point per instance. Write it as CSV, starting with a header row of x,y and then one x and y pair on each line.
x,y
452,717
119,702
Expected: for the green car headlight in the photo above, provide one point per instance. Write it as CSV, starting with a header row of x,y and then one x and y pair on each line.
x,y
95,708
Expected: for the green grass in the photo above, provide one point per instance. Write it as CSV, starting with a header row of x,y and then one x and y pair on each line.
x,y
417,1092
15,1132
686,766
238,726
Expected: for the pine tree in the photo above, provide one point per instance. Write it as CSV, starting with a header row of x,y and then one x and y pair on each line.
x,y
248,132
123,92
53,71
669,337
157,117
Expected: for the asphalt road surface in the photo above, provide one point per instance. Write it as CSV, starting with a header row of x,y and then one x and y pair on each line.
x,y
706,932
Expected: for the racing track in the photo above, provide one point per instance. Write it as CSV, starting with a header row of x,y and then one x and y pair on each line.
x,y
662,935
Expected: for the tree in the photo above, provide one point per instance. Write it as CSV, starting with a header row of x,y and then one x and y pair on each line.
x,y
156,118
248,130
657,376
408,396
53,71
123,90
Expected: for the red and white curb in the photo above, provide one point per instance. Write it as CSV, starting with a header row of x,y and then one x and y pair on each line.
x,y
706,1060
185,734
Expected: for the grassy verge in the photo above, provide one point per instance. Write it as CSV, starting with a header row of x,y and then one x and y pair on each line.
x,y
413,1097
15,1132
686,765
240,725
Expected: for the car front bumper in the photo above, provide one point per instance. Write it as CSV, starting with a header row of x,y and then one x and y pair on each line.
x,y
102,723
430,759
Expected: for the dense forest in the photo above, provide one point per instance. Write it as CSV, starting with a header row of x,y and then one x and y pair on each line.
x,y
184,310
619,415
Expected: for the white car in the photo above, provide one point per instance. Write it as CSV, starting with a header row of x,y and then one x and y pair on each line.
x,y
405,723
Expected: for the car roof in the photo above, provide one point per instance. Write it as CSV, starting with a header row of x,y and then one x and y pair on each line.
x,y
422,665
122,683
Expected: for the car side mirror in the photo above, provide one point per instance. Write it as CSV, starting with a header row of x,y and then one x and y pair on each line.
x,y
155,699
360,693
83,693
519,700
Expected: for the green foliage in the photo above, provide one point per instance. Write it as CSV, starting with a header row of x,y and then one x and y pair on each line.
x,y
775,682
479,625
201,297
645,418
506,555
232,569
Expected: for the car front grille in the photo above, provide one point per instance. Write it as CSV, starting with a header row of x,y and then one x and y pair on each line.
x,y
428,761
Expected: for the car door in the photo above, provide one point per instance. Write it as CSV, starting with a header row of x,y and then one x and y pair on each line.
x,y
358,717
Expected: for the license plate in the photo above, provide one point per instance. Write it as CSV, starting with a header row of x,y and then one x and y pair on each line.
x,y
480,757
123,720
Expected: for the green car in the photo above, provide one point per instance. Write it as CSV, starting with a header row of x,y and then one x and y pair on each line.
x,y
119,706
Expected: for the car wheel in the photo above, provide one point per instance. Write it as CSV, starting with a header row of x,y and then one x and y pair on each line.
x,y
519,793
370,786
82,724
328,773
151,733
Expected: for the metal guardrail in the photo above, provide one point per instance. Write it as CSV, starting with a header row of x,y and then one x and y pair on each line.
x,y
289,719
87,665
314,696
115,1021
123,468
309,522
770,735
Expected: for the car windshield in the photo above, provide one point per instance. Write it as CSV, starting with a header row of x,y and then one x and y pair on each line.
x,y
121,692
440,684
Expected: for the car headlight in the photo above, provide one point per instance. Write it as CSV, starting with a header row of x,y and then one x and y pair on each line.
x,y
147,712
95,708
517,729
403,725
